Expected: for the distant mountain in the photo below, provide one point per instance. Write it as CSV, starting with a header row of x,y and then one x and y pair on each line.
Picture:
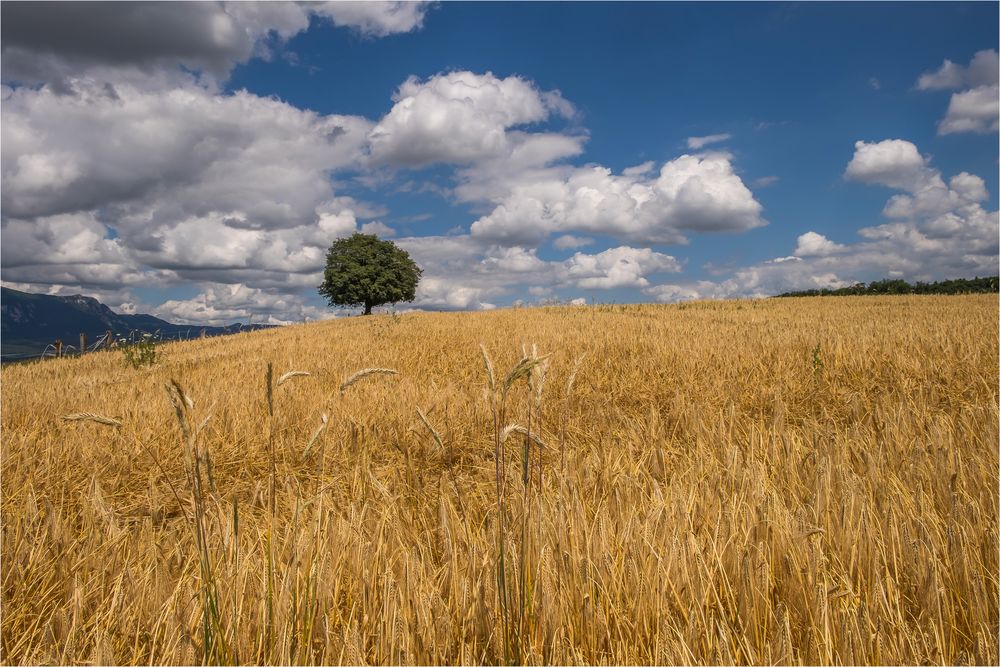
x,y
29,322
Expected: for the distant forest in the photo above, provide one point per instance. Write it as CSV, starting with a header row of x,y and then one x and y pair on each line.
x,y
956,286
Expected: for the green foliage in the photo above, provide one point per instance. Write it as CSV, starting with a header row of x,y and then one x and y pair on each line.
x,y
140,351
956,286
817,360
364,271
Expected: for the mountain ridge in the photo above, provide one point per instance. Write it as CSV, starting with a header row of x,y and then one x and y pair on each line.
x,y
30,321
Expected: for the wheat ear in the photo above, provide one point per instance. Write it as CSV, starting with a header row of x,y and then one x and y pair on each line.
x,y
363,373
90,416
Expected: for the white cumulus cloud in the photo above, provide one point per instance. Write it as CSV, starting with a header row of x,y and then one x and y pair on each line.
x,y
464,272
812,244
700,193
229,304
461,117
976,107
983,70
893,162
376,19
618,267
193,185
976,110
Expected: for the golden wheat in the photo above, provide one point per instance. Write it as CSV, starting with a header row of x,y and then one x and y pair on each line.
x,y
784,481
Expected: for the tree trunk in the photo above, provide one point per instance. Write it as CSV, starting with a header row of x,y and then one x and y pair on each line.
x,y
368,307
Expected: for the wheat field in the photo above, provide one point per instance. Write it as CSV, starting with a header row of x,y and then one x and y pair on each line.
x,y
784,481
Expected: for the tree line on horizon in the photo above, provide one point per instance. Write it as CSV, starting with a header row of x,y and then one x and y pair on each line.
x,y
955,286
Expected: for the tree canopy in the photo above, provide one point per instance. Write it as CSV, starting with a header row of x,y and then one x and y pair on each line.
x,y
364,271
955,286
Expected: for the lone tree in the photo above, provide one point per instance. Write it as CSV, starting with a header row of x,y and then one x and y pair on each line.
x,y
363,271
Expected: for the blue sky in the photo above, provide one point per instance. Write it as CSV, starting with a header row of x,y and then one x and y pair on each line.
x,y
853,141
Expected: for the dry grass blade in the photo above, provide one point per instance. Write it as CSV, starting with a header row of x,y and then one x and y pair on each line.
x,y
291,374
364,373
92,417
